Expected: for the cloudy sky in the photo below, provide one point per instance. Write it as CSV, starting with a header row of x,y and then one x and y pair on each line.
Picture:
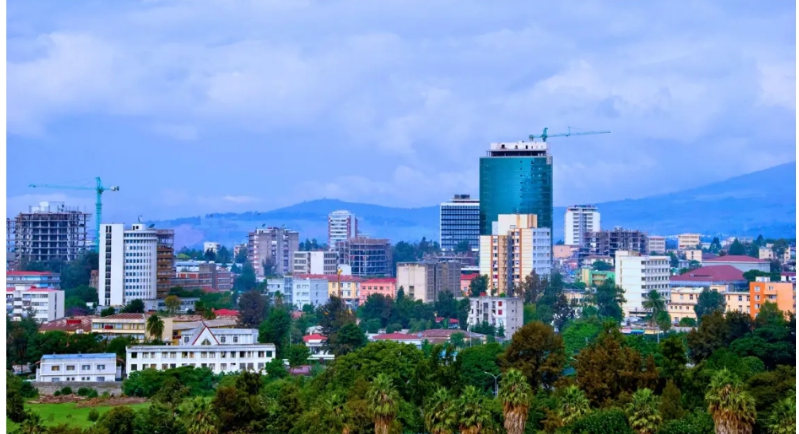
x,y
195,106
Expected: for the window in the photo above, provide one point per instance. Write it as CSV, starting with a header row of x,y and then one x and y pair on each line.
x,y
55,368
134,355
100,378
222,339
235,339
100,367
55,379
133,367
269,354
70,367
85,367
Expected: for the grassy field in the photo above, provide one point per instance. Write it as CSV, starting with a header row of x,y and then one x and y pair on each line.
x,y
68,413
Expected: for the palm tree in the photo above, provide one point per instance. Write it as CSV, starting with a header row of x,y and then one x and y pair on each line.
x,y
573,405
516,396
335,403
383,403
473,413
783,417
199,417
643,413
655,303
732,408
155,327
440,416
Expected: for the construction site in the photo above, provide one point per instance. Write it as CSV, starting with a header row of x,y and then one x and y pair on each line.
x,y
46,233
607,243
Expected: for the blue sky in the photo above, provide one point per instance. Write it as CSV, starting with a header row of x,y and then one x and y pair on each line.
x,y
201,106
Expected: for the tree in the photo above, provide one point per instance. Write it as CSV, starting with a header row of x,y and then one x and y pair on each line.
x,y
347,340
478,285
270,269
246,281
223,255
15,404
783,417
578,334
275,329
610,421
602,266
78,273
298,355
687,322
663,321
119,420
172,303
573,405
711,335
463,313
332,316
446,306
462,247
537,351
134,306
252,309
732,408
608,299
532,287
241,257
155,327
383,403
199,417
516,396
707,302
642,413
654,302
736,248
473,414
440,414
377,307
673,359
670,407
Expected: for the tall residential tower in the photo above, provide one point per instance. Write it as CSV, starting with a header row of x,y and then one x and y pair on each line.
x,y
341,226
459,222
579,220
128,268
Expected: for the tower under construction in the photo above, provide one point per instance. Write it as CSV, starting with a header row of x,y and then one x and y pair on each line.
x,y
48,232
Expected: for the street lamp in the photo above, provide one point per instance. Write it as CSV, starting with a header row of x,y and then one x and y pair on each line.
x,y
496,377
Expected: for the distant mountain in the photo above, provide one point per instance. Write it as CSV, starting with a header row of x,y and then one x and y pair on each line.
x,y
761,202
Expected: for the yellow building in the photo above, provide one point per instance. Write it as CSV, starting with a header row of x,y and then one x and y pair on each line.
x,y
688,241
594,278
737,301
693,255
682,301
133,325
348,288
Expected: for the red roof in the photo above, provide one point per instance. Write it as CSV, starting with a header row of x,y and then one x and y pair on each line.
x,y
124,316
314,337
31,289
329,277
733,258
469,276
226,312
788,273
382,280
395,337
29,273
713,273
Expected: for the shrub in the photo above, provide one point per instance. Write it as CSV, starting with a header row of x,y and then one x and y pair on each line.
x,y
611,421
27,390
84,391
94,414
66,390
391,328
57,393
92,394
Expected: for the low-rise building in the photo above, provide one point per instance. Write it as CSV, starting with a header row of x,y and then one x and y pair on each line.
x,y
657,244
737,301
159,305
741,262
442,336
39,279
765,253
693,255
497,311
682,301
73,325
57,368
44,304
594,278
763,290
711,275
316,344
309,289
133,325
220,350
386,286
466,281
401,338
348,288
321,262
688,241
181,327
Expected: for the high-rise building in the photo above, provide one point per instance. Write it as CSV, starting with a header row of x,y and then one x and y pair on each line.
x,y
341,226
657,244
315,263
607,243
425,280
516,248
275,246
128,268
579,220
48,232
45,304
367,257
638,274
166,261
515,178
459,222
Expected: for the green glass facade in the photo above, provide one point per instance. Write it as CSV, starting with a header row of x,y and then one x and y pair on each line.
x,y
515,183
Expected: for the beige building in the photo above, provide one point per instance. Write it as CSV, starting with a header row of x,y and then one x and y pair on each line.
x,y
425,280
682,301
693,255
563,252
515,249
737,301
657,244
133,325
688,241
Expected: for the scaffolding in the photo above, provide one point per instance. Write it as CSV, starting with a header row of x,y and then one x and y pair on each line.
x,y
368,257
165,262
48,232
607,243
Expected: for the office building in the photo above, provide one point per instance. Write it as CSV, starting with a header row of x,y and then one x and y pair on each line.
x,y
682,301
515,178
341,226
274,246
92,368
315,262
688,241
39,279
309,289
579,220
317,343
192,275
657,244
281,286
498,312
165,262
43,303
221,350
459,221
763,290
638,274
128,266
425,280
46,233
367,257
516,248
741,262
608,242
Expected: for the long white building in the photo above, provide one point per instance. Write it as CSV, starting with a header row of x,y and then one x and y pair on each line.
x,y
128,268
46,304
507,312
637,275
220,350
58,368
579,220
315,262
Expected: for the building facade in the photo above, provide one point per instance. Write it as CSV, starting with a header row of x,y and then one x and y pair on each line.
x,y
45,304
763,290
95,368
128,266
309,289
341,226
132,325
688,241
681,303
515,178
741,262
608,242
386,286
516,248
497,311
459,221
48,232
347,288
202,275
638,274
657,244
367,257
425,280
274,246
579,220
165,258
39,279
315,262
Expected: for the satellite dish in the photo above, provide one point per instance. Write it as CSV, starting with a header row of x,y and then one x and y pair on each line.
x,y
152,225
140,218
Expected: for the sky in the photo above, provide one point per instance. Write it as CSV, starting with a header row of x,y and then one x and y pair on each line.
x,y
200,106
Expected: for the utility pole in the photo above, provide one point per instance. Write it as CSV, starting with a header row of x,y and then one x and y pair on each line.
x,y
496,388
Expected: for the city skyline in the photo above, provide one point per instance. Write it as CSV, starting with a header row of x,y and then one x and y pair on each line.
x,y
378,112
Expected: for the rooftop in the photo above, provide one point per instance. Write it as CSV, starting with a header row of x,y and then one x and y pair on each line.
x,y
329,277
381,280
79,356
712,273
133,316
69,324
29,289
30,273
734,258
395,337
226,312
470,276
314,337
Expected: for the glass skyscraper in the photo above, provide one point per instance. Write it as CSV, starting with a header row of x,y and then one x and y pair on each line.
x,y
460,221
515,178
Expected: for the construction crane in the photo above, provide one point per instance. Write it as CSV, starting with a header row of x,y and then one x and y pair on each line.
x,y
99,189
544,135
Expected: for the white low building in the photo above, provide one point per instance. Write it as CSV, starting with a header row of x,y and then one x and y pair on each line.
x,y
316,344
507,312
46,304
55,368
220,350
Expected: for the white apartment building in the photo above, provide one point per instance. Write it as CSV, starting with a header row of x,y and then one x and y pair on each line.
x,y
497,311
579,220
220,350
637,275
341,226
309,289
128,268
688,241
657,244
515,249
283,286
56,368
315,262
47,304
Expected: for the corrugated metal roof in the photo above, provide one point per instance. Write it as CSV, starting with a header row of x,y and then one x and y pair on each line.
x,y
79,356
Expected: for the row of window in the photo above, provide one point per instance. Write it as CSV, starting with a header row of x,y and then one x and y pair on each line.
x,y
57,368
202,355
212,366
58,379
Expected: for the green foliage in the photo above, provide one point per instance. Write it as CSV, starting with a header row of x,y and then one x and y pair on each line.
x,y
783,417
78,272
602,266
473,412
298,355
253,309
687,322
463,313
736,248
15,409
767,388
478,286
66,390
246,281
276,370
670,402
537,351
93,415
119,420
446,306
275,329
732,408
147,382
672,359
608,299
612,421
108,311
711,335
709,301
347,340
578,334
134,306
643,413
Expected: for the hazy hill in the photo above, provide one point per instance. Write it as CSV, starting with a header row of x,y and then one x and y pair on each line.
x,y
762,202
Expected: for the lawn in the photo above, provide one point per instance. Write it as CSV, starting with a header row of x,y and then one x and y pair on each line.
x,y
68,413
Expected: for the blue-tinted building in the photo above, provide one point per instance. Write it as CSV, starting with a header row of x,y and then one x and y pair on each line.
x,y
460,221
515,178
